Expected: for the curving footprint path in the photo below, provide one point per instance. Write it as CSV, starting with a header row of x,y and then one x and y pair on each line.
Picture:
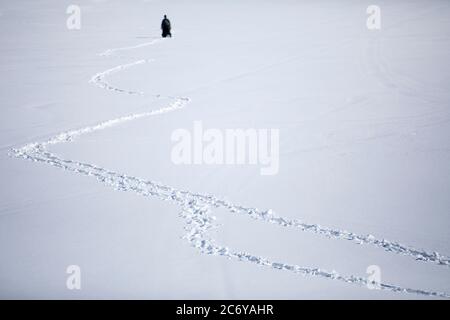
x,y
196,209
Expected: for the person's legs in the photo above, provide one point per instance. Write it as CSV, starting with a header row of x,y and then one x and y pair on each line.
x,y
166,33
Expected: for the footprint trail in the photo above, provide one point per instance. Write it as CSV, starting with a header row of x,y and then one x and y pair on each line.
x,y
196,209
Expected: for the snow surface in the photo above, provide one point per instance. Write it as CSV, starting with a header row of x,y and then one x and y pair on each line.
x,y
364,146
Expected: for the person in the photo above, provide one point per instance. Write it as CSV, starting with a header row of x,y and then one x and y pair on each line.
x,y
165,26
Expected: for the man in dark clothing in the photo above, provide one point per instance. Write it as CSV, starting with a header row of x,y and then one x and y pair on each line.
x,y
165,26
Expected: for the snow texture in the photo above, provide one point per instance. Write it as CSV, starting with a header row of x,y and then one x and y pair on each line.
x,y
197,209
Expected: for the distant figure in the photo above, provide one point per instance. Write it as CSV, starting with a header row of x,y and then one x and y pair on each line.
x,y
165,26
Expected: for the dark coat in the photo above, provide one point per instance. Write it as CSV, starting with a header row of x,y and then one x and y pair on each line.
x,y
165,25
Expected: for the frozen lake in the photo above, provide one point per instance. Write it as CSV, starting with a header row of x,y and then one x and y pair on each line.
x,y
363,118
